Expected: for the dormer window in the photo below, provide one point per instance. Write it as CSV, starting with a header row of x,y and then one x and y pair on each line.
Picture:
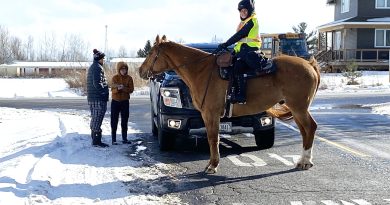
x,y
345,6
382,4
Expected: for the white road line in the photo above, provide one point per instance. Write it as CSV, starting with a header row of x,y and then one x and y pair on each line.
x,y
296,203
339,146
236,161
283,160
257,162
387,200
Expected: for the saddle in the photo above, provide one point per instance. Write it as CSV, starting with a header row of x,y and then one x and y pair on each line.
x,y
258,65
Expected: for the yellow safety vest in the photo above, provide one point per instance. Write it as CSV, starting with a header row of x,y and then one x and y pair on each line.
x,y
253,38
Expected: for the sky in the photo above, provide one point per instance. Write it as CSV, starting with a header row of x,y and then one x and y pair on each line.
x,y
131,23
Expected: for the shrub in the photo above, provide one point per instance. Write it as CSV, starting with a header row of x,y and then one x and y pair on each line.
x,y
352,74
77,80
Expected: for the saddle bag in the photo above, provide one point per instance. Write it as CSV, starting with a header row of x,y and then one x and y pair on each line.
x,y
224,59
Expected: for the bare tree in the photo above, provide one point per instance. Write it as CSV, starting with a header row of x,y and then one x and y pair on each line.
x,y
16,49
47,48
5,53
74,49
29,49
122,52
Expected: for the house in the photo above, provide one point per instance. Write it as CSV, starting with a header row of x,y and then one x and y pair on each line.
x,y
49,69
360,32
45,69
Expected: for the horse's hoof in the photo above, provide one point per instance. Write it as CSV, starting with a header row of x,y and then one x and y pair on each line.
x,y
304,166
210,170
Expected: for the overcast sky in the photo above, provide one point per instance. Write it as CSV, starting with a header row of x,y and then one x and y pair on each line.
x,y
131,23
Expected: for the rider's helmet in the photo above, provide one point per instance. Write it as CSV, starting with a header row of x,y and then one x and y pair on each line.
x,y
247,4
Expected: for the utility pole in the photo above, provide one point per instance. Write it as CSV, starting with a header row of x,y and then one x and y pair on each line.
x,y
105,41
105,45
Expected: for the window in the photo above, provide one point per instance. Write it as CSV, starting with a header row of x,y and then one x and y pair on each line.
x,y
344,6
382,38
338,42
267,43
382,4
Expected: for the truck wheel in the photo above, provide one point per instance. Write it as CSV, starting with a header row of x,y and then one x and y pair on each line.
x,y
154,127
265,138
166,140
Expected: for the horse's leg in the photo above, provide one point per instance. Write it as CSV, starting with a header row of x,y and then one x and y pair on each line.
x,y
307,127
212,129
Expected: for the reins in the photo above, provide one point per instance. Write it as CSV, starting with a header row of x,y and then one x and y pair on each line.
x,y
150,71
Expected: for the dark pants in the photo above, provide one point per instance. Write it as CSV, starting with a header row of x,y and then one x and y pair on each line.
x,y
238,82
122,108
98,110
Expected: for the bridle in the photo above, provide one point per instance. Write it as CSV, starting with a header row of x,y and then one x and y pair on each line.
x,y
150,70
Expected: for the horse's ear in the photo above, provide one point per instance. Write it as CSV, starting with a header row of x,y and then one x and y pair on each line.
x,y
164,38
158,40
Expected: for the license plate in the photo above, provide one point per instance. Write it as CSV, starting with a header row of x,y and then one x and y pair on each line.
x,y
225,127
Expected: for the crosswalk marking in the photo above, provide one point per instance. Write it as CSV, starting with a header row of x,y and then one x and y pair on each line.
x,y
257,162
331,202
283,160
296,203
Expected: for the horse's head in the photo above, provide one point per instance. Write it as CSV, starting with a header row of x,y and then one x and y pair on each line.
x,y
156,61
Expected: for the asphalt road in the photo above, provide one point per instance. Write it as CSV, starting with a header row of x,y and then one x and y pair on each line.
x,y
351,156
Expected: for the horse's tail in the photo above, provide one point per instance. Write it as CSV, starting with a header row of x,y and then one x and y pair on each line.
x,y
314,64
280,111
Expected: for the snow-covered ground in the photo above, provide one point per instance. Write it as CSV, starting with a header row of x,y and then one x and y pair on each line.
x,y
46,156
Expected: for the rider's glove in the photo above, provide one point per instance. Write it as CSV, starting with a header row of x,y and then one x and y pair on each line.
x,y
221,47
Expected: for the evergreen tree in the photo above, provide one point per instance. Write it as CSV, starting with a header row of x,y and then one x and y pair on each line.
x,y
311,38
142,53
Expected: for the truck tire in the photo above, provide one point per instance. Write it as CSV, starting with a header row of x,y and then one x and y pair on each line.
x,y
265,138
154,127
166,139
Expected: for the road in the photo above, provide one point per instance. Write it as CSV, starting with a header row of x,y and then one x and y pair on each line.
x,y
351,156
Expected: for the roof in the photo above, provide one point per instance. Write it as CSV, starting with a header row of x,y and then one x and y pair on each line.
x,y
25,64
330,1
357,22
127,60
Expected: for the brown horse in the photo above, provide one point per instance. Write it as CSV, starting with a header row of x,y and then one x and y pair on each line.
x,y
295,81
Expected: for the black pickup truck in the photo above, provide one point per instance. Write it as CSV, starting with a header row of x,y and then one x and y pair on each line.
x,y
173,114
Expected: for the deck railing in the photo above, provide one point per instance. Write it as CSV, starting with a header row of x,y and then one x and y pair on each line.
x,y
360,55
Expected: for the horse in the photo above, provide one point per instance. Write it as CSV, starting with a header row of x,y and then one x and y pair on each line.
x,y
295,82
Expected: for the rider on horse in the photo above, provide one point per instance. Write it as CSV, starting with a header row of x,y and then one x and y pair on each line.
x,y
248,41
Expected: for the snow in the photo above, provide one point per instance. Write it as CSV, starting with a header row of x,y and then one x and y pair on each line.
x,y
51,161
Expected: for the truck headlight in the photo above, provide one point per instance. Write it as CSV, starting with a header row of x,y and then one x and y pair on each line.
x,y
171,97
265,121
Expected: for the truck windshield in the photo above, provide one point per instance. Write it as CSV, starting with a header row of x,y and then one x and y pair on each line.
x,y
293,45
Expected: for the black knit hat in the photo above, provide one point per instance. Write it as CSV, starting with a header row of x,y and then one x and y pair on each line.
x,y
247,4
97,55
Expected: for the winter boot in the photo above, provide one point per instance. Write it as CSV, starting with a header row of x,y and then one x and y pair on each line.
x,y
94,141
124,136
113,138
99,142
